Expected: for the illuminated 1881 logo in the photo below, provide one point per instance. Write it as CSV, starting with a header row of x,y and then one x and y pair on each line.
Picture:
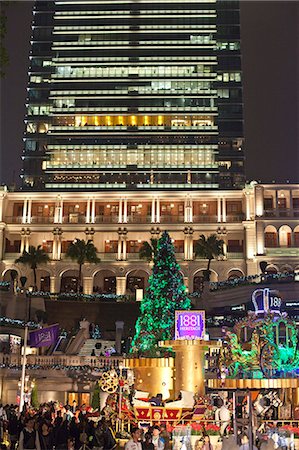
x,y
266,300
189,325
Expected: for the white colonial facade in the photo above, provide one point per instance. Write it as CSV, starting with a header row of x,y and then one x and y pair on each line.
x,y
260,222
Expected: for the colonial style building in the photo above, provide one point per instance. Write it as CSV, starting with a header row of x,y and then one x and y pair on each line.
x,y
258,223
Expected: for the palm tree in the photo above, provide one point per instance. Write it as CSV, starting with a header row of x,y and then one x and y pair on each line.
x,y
82,252
208,248
148,250
33,258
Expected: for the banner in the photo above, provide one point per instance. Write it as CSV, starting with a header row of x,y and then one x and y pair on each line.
x,y
44,337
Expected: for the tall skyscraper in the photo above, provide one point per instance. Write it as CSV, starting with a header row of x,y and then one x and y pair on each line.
x,y
134,94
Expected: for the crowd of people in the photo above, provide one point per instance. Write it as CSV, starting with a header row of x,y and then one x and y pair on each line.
x,y
53,426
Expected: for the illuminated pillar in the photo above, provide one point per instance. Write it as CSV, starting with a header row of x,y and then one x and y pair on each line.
x,y
88,211
158,210
191,245
259,201
1,242
153,219
223,209
247,199
54,285
120,214
218,209
27,240
186,246
22,248
87,285
188,210
124,252
250,240
125,220
119,248
121,285
29,211
61,211
260,238
93,210
24,211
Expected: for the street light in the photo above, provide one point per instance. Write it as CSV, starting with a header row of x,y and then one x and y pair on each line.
x,y
23,376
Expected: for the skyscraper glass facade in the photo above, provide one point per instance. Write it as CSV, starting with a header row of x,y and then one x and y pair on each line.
x,y
134,94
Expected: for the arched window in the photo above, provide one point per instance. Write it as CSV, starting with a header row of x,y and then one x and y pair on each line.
x,y
271,237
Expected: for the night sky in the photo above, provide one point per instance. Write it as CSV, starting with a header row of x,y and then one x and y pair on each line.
x,y
270,46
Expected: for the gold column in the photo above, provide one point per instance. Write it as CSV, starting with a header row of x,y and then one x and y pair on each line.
x,y
153,375
189,369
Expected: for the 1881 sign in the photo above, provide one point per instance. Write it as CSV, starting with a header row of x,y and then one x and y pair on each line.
x,y
189,325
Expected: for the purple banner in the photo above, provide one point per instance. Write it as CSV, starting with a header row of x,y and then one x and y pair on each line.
x,y
44,337
189,325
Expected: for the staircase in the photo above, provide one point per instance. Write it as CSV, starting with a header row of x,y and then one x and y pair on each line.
x,y
91,344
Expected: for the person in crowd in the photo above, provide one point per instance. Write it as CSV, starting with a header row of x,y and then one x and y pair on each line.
x,y
29,439
147,443
68,415
134,443
165,435
46,437
156,439
245,443
82,414
206,443
13,429
74,433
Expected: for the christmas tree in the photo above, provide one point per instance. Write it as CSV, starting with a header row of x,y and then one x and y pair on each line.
x,y
95,402
34,396
165,294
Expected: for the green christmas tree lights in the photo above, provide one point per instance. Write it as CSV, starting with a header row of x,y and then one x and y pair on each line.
x,y
165,294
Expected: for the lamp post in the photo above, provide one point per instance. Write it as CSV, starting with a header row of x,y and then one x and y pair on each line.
x,y
23,376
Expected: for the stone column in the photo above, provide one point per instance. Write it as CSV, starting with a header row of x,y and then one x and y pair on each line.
x,y
247,199
93,210
291,202
125,217
153,219
57,236
218,209
260,238
29,211
124,239
119,247
223,209
27,239
22,248
61,211
250,240
54,288
88,211
119,326
87,285
259,201
24,217
120,214
158,210
121,285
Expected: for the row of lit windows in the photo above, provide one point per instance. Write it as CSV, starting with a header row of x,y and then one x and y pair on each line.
x,y
143,11
68,71
169,120
114,158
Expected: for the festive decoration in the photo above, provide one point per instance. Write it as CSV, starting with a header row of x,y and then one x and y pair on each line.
x,y
95,402
165,294
96,332
109,382
268,344
34,397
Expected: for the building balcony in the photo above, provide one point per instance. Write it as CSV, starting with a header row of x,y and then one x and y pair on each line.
x,y
282,251
281,212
